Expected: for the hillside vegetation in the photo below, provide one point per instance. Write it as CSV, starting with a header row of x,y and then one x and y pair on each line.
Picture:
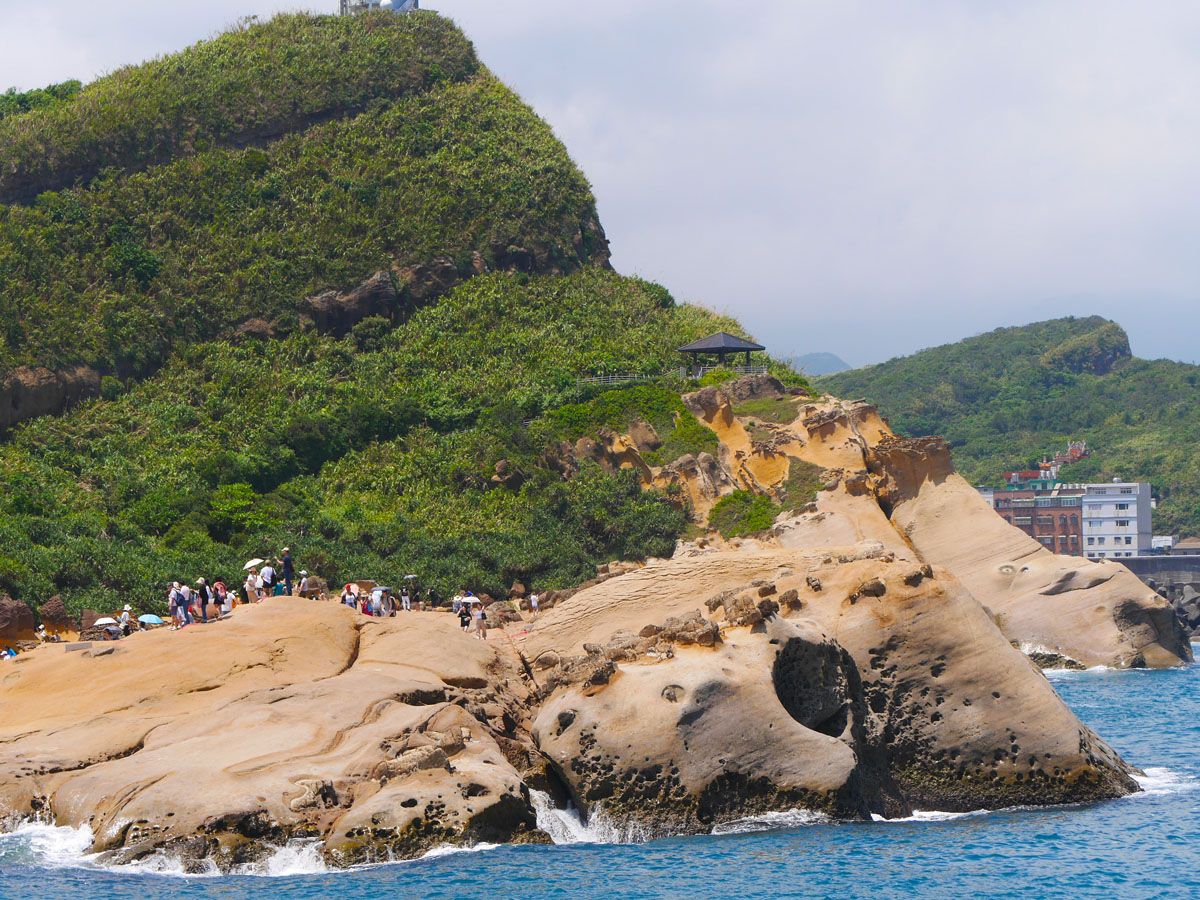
x,y
445,163
1006,398
432,439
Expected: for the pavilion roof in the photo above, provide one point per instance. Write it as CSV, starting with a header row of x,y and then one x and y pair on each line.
x,y
715,343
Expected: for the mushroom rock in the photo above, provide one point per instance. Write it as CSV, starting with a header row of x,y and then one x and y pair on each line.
x,y
54,614
16,619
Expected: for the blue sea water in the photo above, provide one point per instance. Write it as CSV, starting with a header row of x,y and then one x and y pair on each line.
x,y
1140,847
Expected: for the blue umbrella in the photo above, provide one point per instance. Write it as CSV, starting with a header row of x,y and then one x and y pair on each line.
x,y
148,619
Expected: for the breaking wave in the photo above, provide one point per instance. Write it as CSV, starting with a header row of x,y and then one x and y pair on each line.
x,y
566,826
61,847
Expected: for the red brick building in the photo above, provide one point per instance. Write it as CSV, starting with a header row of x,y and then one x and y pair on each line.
x,y
1054,519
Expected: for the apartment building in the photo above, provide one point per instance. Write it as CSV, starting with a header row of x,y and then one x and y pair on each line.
x,y
1116,519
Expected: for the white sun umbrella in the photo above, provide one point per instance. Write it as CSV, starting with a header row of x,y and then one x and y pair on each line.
x,y
107,620
252,563
409,577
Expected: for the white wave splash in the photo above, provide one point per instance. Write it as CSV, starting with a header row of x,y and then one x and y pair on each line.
x,y
932,815
772,821
1159,780
61,847
566,826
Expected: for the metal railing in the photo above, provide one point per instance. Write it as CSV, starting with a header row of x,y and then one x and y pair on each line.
x,y
622,379
682,372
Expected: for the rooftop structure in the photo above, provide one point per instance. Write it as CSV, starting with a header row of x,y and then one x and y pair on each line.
x,y
721,345
354,7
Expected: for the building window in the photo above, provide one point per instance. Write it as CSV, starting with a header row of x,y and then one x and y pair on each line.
x,y
1122,506
1045,521
1126,490
1091,543
1128,541
1074,539
1101,541
1062,520
1100,490
1074,520
1122,523
1023,520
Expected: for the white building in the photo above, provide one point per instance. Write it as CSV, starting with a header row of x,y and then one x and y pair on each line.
x,y
1116,520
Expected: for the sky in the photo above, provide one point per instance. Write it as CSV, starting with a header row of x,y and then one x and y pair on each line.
x,y
863,178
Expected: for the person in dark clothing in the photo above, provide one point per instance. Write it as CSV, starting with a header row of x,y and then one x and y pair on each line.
x,y
464,617
203,597
285,566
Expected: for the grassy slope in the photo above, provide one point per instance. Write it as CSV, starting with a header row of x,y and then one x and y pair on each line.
x,y
1004,399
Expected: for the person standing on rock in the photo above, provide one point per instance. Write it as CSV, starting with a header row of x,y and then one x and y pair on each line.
x,y
406,598
251,586
286,566
480,621
126,621
533,606
303,589
204,598
267,574
348,597
464,617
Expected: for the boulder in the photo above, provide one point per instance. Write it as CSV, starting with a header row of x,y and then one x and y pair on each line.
x,y
336,314
26,393
754,387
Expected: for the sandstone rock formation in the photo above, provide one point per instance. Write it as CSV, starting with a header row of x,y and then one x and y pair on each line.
x,y
293,718
16,620
906,495
672,697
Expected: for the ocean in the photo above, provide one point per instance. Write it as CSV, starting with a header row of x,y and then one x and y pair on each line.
x,y
1139,847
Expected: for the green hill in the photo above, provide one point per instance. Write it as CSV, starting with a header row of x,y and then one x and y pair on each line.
x,y
1006,398
419,431
377,142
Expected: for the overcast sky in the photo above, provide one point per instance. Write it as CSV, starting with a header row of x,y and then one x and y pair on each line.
x,y
866,178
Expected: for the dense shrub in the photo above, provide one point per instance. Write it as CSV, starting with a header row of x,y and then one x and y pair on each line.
x,y
742,513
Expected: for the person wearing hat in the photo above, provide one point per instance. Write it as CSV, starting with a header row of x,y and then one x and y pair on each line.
x,y
204,597
125,620
303,583
285,567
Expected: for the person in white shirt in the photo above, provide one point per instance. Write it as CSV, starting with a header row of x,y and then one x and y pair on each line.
x,y
303,592
267,574
533,606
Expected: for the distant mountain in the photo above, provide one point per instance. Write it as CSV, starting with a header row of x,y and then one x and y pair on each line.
x,y
1005,398
819,363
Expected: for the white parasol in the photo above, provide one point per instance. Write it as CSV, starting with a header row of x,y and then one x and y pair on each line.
x,y
409,577
107,620
252,564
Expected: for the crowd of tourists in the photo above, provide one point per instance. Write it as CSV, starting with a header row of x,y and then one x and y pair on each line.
x,y
206,601
201,602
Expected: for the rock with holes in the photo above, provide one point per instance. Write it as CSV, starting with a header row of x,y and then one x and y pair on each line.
x,y
911,677
762,722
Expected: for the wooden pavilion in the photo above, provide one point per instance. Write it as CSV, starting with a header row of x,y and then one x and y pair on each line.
x,y
720,345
